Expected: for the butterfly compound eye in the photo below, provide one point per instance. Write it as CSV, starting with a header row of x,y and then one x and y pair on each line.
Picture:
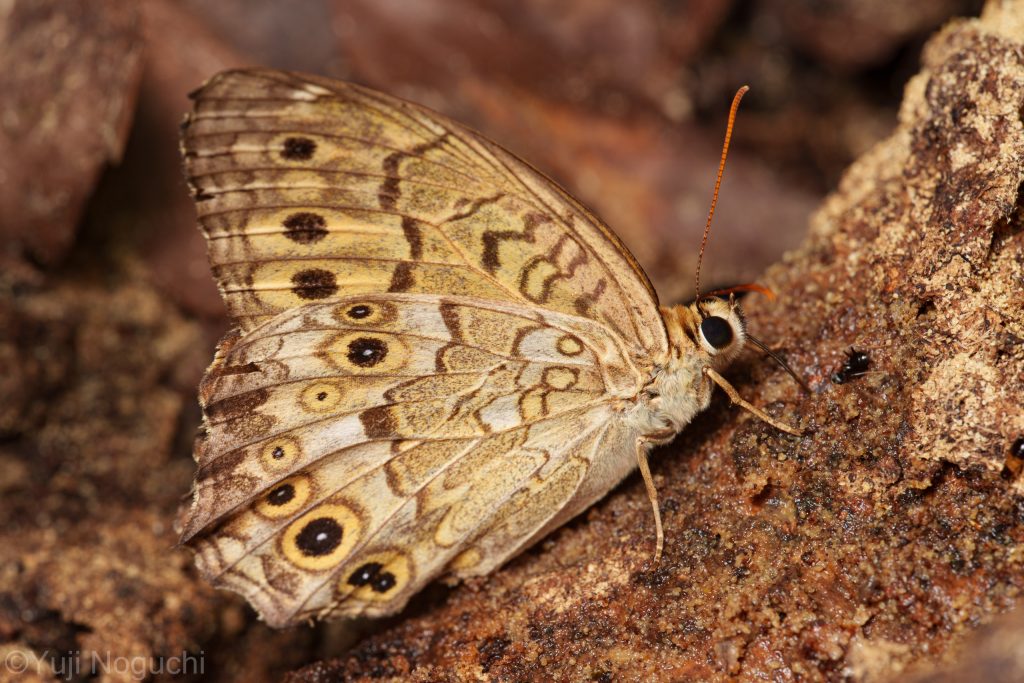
x,y
716,331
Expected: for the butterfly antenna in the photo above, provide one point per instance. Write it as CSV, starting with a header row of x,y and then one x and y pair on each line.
x,y
718,181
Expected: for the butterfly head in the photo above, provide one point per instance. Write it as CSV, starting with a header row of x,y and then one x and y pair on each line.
x,y
707,334
714,331
716,328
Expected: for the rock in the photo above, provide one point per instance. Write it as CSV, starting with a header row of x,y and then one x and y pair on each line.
x,y
143,203
69,74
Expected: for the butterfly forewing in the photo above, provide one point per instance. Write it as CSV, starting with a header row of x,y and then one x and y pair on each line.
x,y
309,189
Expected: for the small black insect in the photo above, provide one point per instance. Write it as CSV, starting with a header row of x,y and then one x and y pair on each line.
x,y
855,365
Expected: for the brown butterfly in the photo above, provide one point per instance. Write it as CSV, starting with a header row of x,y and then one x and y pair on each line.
x,y
440,356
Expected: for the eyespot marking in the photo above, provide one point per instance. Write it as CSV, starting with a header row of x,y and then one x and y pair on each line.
x,y
372,574
378,576
319,537
321,397
569,345
280,454
322,537
281,495
367,351
365,313
358,352
285,499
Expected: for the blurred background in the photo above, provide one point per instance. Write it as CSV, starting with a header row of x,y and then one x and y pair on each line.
x,y
108,313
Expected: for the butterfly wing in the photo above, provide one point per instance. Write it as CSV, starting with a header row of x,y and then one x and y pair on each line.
x,y
436,345
355,450
310,189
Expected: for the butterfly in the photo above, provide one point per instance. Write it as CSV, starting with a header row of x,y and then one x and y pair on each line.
x,y
439,356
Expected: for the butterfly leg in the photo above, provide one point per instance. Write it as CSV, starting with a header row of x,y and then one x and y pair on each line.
x,y
735,398
652,493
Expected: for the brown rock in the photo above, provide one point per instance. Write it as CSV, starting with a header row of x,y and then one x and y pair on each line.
x,y
143,203
853,34
69,74
598,51
297,36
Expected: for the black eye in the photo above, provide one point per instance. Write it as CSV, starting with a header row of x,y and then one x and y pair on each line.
x,y
716,331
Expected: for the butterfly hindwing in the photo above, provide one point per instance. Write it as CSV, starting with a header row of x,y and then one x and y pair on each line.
x,y
354,450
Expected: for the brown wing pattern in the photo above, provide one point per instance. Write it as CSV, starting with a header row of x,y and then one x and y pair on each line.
x,y
355,450
310,189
